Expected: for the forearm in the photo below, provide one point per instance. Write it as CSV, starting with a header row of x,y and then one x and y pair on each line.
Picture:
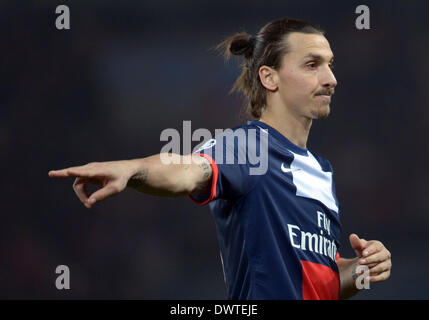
x,y
347,269
181,177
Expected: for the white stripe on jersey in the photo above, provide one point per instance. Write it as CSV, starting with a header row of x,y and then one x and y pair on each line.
x,y
311,181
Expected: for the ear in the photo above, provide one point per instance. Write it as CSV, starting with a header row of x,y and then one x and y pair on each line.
x,y
268,77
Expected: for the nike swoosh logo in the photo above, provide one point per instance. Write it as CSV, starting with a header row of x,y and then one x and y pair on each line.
x,y
286,170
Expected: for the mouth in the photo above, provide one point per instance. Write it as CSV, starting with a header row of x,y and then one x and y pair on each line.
x,y
324,97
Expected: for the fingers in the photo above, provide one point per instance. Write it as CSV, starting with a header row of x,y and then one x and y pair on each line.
x,y
79,187
58,173
372,247
107,191
378,259
89,200
89,170
357,244
354,241
375,253
380,268
66,173
69,172
375,258
91,173
380,277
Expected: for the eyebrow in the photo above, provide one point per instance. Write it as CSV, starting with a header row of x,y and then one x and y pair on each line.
x,y
316,57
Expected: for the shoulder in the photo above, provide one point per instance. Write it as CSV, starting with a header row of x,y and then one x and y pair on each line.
x,y
239,137
247,130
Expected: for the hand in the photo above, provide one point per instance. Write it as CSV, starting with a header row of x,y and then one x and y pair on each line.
x,y
112,176
374,255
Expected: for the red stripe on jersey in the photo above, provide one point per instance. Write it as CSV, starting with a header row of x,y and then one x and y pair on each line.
x,y
319,282
215,173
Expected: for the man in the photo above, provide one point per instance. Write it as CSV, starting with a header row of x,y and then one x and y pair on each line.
x,y
278,230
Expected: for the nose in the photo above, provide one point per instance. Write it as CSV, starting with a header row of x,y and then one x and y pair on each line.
x,y
327,78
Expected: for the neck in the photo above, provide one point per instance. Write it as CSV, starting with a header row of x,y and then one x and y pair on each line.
x,y
295,128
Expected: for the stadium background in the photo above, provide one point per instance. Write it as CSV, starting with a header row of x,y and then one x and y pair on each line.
x,y
105,89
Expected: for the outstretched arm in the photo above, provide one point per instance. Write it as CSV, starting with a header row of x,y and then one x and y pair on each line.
x,y
184,175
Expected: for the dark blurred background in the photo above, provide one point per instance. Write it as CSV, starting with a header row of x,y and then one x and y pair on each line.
x,y
126,70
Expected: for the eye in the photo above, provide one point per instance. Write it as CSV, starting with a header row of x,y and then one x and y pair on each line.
x,y
331,65
311,65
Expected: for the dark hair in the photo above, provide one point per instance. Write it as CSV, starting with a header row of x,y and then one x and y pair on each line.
x,y
267,48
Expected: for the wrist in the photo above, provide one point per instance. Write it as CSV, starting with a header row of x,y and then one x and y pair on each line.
x,y
137,173
133,167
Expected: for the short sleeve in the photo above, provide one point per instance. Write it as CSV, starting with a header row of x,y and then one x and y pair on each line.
x,y
232,157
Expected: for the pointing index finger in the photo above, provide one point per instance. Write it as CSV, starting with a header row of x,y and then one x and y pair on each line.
x,y
65,173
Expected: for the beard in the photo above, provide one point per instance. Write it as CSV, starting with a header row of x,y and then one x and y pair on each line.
x,y
321,111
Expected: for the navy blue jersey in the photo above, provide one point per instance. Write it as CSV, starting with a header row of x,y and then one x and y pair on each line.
x,y
276,215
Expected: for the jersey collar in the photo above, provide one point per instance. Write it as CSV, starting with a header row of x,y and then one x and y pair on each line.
x,y
281,138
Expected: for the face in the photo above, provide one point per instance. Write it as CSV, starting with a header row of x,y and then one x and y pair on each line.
x,y
305,80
